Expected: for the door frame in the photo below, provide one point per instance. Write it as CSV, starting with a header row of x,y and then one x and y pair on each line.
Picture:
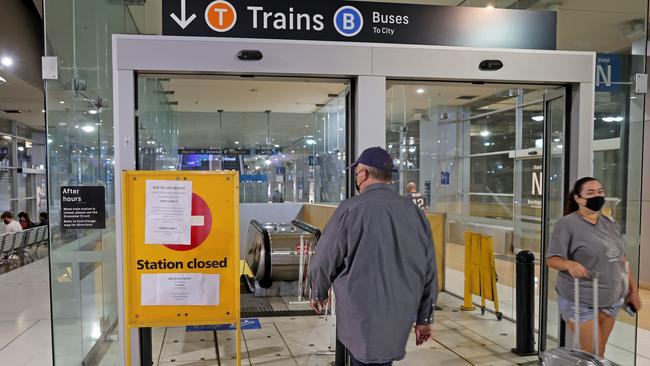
x,y
368,65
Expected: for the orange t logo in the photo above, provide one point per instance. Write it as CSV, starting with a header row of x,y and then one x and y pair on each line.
x,y
221,16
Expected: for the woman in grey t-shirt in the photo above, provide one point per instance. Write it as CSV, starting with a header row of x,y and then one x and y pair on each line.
x,y
585,242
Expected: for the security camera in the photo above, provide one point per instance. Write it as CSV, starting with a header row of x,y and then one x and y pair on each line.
x,y
250,55
490,65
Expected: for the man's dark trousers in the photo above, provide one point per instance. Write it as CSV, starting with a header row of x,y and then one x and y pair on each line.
x,y
354,362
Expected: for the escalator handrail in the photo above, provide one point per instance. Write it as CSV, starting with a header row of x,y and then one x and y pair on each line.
x,y
307,227
265,281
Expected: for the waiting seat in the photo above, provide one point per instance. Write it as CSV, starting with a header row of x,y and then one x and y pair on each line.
x,y
42,238
19,247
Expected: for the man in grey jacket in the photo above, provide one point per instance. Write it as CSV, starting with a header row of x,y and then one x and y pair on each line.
x,y
377,253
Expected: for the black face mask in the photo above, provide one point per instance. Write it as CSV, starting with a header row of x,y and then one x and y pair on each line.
x,y
356,185
595,203
6,222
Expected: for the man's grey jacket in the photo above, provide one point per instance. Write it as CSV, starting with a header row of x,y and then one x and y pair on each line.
x,y
377,252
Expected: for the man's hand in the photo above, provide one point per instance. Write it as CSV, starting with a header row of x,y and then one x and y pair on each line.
x,y
318,305
422,334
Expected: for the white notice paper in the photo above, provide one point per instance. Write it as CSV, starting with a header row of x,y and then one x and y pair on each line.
x,y
180,289
168,212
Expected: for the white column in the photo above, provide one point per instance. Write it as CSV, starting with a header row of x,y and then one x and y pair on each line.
x,y
124,140
582,132
370,112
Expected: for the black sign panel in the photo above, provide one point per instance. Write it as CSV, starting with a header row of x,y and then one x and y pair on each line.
x,y
362,22
83,207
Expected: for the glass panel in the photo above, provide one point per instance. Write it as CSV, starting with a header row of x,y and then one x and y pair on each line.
x,y
294,152
6,158
555,114
491,174
80,152
477,155
492,133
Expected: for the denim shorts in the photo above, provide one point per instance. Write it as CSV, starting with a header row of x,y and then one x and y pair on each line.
x,y
586,313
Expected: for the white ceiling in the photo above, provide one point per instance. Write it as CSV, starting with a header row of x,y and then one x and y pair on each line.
x,y
209,94
16,94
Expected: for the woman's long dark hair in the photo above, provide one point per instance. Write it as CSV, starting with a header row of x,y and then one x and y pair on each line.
x,y
572,205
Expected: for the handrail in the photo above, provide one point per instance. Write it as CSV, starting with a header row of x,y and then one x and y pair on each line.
x,y
265,281
307,227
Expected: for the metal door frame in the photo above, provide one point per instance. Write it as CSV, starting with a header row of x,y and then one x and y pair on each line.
x,y
368,65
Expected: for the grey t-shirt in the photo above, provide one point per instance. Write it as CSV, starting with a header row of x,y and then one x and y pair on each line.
x,y
600,248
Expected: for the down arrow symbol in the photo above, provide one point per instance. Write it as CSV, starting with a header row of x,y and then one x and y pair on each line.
x,y
183,22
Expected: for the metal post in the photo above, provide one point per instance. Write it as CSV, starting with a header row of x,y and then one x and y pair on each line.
x,y
301,269
146,347
525,304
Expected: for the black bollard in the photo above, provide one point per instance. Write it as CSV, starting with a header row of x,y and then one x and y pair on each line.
x,y
525,304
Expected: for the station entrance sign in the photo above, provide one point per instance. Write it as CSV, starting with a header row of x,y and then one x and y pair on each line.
x,y
372,22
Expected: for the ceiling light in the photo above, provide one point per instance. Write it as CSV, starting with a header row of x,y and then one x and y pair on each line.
x,y
88,128
7,61
485,133
2,80
257,167
420,91
276,145
20,148
310,142
42,110
267,162
293,151
486,144
7,137
49,141
537,118
613,119
61,102
236,142
306,126
93,111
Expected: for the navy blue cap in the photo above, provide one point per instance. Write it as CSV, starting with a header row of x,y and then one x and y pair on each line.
x,y
375,157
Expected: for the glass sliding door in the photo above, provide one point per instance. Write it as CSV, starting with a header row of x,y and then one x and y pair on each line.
x,y
477,153
555,188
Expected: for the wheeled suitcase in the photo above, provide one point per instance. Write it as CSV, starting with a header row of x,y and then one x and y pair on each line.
x,y
575,356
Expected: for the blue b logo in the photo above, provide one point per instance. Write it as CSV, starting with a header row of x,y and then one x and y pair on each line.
x,y
348,21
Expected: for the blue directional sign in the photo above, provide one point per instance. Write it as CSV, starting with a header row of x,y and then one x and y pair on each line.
x,y
246,324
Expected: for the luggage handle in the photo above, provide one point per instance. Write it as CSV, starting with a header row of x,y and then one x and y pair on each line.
x,y
576,299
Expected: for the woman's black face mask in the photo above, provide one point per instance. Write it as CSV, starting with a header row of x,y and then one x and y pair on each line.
x,y
595,203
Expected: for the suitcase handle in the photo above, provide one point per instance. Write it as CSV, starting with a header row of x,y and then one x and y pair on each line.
x,y
576,299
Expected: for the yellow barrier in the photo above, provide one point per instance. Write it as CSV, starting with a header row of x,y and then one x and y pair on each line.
x,y
480,272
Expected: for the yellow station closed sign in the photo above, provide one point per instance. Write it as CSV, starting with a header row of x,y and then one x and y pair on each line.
x,y
181,245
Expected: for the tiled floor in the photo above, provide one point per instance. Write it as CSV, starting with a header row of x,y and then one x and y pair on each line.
x,y
460,338
25,336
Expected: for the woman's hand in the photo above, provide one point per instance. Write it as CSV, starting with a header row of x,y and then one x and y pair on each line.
x,y
634,299
576,270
